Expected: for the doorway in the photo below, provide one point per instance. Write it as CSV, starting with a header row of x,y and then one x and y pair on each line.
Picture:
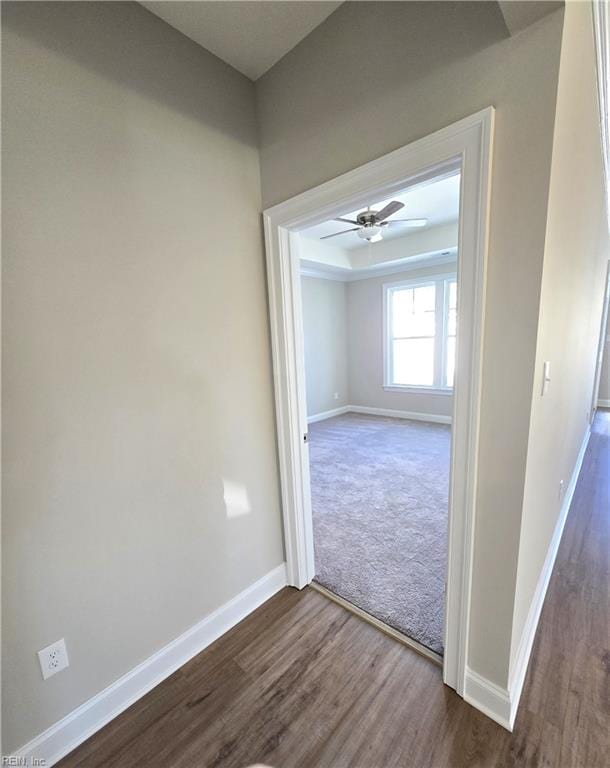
x,y
379,306
463,147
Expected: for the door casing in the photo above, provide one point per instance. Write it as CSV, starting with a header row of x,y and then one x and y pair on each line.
x,y
465,145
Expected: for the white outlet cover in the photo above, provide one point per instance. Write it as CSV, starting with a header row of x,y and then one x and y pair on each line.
x,y
53,658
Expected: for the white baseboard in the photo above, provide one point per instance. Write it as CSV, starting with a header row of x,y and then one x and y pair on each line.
x,y
488,698
522,657
501,704
603,403
328,414
435,418
61,738
497,703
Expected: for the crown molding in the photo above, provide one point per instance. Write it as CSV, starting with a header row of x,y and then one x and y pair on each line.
x,y
311,269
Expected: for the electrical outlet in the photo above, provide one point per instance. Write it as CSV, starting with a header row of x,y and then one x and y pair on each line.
x,y
336,396
53,658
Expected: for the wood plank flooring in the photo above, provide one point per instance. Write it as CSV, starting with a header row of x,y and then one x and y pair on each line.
x,y
302,682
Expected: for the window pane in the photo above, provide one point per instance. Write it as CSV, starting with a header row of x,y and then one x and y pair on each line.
x,y
452,322
450,367
413,311
413,361
452,294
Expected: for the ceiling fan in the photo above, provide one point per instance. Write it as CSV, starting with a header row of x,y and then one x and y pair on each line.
x,y
370,224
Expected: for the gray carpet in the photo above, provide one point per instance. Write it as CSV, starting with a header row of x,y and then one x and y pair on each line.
x,y
379,490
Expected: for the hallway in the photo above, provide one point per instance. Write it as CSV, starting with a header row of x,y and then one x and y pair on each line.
x,y
303,683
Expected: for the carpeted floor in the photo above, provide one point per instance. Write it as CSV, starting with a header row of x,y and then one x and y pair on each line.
x,y
379,490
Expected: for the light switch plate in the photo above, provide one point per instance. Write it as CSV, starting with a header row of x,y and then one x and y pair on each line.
x,y
53,658
546,376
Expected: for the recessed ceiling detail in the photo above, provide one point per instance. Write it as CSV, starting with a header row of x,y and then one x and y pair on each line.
x,y
250,36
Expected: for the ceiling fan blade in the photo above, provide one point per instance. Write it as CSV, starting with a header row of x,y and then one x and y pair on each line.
x,y
407,222
354,229
389,210
347,221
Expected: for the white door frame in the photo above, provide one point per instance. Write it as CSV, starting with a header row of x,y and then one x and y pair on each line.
x,y
601,347
467,145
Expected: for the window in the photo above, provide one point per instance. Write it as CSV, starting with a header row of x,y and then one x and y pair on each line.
x,y
420,333
451,328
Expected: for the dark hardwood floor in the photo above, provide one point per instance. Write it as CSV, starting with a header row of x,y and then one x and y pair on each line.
x,y
303,683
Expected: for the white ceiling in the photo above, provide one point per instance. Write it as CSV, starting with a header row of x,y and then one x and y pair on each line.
x,y
438,201
250,36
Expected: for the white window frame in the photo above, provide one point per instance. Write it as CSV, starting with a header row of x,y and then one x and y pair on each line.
x,y
440,351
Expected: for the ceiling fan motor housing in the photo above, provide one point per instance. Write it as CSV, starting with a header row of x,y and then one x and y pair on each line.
x,y
367,218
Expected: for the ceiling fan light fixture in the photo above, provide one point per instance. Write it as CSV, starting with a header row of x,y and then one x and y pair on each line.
x,y
370,224
370,232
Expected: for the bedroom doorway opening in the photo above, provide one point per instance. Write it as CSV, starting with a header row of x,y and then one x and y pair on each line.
x,y
379,318
463,148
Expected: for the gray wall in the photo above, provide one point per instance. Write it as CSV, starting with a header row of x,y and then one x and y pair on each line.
x,y
573,285
135,397
365,351
423,66
325,337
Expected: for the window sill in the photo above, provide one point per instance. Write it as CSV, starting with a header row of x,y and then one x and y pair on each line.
x,y
418,390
